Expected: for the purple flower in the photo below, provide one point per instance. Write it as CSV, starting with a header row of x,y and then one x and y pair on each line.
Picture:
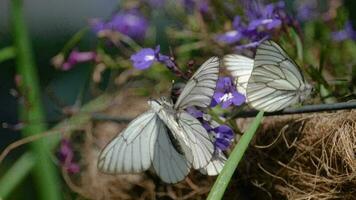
x,y
76,57
223,134
66,157
306,10
147,56
226,94
144,58
130,22
347,33
258,23
223,137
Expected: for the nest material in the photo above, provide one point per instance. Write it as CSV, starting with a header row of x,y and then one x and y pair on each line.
x,y
292,157
303,157
324,164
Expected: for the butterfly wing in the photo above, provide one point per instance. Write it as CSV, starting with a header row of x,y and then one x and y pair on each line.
x,y
197,138
200,88
216,164
131,151
275,81
170,165
240,68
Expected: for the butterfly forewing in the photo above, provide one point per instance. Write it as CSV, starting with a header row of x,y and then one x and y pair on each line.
x,y
201,86
132,150
275,81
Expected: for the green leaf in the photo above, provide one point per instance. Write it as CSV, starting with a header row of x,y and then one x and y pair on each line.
x,y
223,179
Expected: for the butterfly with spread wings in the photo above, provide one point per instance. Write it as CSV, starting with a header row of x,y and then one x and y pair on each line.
x,y
270,82
166,137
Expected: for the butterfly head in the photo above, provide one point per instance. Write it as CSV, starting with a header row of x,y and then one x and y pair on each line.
x,y
305,93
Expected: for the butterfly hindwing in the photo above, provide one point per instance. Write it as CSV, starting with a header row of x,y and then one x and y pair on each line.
x,y
215,165
241,68
201,145
170,165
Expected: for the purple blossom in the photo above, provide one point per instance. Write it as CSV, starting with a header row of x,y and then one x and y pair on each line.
x,y
306,10
130,22
226,94
66,157
347,33
76,57
144,58
223,137
223,134
258,22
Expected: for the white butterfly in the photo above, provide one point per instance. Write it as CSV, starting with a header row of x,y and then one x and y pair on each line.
x,y
166,136
270,82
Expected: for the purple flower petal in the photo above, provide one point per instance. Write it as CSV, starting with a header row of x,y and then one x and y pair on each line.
x,y
238,98
230,37
347,33
195,112
144,58
226,93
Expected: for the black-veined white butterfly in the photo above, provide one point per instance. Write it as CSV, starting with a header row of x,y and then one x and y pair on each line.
x,y
270,82
166,137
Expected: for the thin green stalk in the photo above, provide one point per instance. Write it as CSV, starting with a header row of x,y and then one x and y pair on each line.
x,y
46,177
7,53
16,174
224,177
74,40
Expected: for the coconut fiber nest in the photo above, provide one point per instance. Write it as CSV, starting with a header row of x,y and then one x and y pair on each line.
x,y
292,157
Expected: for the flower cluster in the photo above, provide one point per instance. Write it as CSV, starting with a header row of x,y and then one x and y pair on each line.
x,y
223,135
256,25
66,157
131,23
226,94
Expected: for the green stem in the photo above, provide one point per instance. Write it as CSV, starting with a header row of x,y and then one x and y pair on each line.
x,y
46,177
7,53
74,40
16,174
223,179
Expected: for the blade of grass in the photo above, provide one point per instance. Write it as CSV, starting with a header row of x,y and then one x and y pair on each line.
x,y
16,174
7,53
46,178
224,177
